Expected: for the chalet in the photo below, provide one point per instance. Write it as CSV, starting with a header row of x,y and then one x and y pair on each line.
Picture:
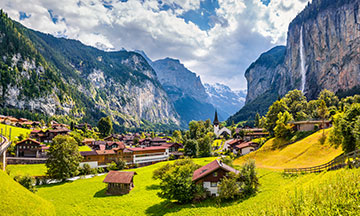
x,y
52,133
231,144
99,157
48,135
88,141
245,148
10,120
210,175
119,182
157,141
83,126
26,124
251,133
145,142
28,148
147,155
113,137
174,149
311,125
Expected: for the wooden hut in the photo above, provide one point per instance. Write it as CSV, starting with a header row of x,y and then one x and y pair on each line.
x,y
119,182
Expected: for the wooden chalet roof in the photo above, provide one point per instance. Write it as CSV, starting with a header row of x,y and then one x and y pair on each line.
x,y
88,153
119,177
245,145
212,167
28,139
105,152
234,141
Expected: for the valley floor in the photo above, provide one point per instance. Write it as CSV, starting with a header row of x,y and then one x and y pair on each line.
x,y
327,193
335,192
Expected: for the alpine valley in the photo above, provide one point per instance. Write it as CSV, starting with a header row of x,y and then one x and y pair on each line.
x,y
42,75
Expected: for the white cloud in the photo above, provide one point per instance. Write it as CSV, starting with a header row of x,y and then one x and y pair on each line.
x,y
242,30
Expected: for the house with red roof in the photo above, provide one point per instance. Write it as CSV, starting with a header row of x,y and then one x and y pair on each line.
x,y
245,148
210,175
119,182
147,155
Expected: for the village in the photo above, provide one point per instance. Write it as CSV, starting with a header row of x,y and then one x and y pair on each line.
x,y
136,150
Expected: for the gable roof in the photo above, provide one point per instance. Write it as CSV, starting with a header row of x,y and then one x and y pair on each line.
x,y
211,167
246,144
119,177
28,139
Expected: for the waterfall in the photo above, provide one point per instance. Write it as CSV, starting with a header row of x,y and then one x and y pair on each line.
x,y
302,61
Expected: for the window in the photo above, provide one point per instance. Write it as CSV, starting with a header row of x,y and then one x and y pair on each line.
x,y
215,174
213,184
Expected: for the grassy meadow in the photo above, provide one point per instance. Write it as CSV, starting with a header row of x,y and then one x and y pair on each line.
x,y
16,200
328,193
15,131
28,169
304,153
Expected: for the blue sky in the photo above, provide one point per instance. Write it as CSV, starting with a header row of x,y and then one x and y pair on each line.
x,y
217,39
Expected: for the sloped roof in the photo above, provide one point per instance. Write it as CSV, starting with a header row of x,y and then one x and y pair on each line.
x,y
105,152
119,177
28,139
246,144
211,167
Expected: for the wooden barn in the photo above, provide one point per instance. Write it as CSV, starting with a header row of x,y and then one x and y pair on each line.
x,y
119,182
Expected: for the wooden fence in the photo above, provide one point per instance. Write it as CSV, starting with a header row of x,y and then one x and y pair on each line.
x,y
351,159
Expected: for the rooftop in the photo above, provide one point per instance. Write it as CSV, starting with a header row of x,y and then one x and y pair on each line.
x,y
211,167
119,177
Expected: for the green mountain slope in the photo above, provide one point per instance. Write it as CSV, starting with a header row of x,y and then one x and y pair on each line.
x,y
69,80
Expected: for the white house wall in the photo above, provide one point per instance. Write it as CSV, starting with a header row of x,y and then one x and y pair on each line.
x,y
212,190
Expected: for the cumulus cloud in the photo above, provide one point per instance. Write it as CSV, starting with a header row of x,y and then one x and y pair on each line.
x,y
240,29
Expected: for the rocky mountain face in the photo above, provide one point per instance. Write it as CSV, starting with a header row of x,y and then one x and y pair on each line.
x,y
64,78
224,99
322,52
185,89
331,45
265,73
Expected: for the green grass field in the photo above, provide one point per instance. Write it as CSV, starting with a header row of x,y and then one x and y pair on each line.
x,y
328,193
16,200
29,169
84,148
304,153
15,131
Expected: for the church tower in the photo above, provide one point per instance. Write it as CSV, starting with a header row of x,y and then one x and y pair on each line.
x,y
216,120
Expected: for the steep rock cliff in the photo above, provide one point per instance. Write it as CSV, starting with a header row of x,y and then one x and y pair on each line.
x,y
331,46
322,52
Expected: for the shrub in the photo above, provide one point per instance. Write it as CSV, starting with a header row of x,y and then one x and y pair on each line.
x,y
112,166
229,187
27,181
176,181
100,170
120,164
248,179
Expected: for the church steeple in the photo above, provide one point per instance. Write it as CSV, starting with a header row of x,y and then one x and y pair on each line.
x,y
216,120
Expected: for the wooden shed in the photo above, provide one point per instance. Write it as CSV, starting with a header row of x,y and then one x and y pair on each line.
x,y
119,182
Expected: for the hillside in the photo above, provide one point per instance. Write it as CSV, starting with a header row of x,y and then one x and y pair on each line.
x,y
299,195
304,153
16,200
71,81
